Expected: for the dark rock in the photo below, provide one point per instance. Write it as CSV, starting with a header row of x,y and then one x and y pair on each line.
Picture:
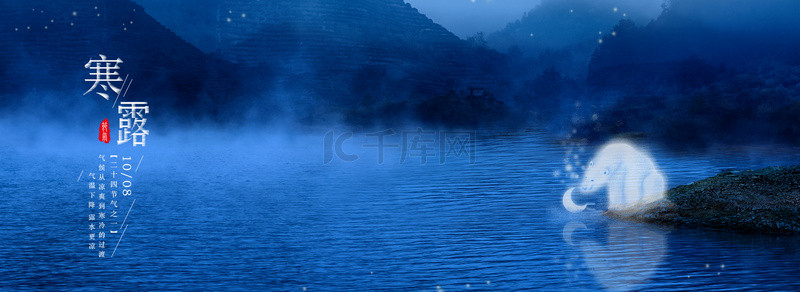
x,y
752,201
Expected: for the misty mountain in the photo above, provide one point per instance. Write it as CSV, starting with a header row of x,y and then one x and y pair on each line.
x,y
323,56
47,43
732,34
348,49
568,30
704,72
305,59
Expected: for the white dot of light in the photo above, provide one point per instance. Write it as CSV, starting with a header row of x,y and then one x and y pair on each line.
x,y
124,28
29,27
74,13
95,8
570,11
707,266
488,282
594,117
244,15
98,15
467,285
229,19
71,24
615,9
131,21
531,34
45,27
599,32
614,33
16,29
600,41
624,14
722,266
230,11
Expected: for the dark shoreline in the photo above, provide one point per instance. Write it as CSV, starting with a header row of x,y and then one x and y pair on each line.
x,y
750,201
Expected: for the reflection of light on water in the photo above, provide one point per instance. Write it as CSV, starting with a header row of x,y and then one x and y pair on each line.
x,y
570,228
628,258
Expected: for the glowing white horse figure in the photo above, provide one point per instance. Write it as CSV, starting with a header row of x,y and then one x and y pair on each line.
x,y
630,175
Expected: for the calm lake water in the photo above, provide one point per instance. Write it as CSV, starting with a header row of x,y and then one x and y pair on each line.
x,y
215,213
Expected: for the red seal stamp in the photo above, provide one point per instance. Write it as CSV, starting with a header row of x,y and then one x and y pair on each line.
x,y
105,134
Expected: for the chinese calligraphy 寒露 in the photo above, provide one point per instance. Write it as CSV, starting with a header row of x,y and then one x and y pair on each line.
x,y
104,223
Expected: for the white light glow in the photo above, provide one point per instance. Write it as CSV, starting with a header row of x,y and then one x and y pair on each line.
x,y
629,175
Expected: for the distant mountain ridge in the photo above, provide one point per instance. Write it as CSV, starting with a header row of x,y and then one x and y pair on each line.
x,y
748,34
572,26
332,44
